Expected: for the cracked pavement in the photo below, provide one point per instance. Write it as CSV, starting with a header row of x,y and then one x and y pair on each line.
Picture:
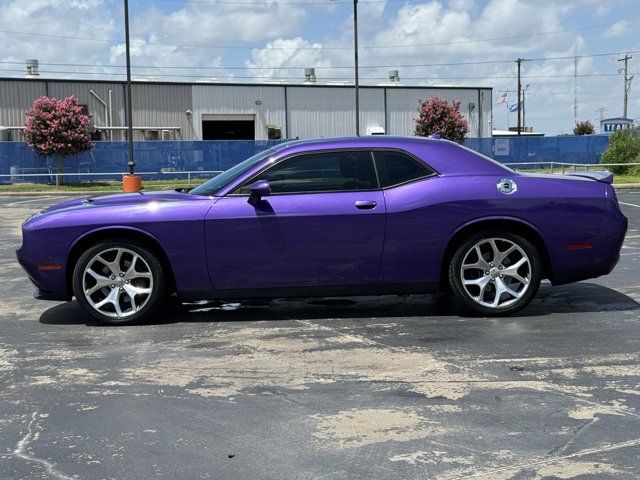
x,y
338,388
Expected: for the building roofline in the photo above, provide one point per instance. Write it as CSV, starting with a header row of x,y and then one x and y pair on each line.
x,y
241,84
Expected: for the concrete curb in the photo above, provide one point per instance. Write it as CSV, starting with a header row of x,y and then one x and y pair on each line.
x,y
627,185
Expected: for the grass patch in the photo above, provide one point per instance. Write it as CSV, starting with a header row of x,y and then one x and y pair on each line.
x,y
107,186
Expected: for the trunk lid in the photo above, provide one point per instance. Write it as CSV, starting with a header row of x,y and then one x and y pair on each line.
x,y
604,177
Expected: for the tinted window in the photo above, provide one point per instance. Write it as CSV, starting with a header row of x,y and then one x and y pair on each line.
x,y
216,183
397,167
320,172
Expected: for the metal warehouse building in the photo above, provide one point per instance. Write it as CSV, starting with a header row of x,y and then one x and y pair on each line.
x,y
219,111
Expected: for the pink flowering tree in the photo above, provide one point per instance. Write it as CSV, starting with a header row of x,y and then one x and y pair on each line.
x,y
584,128
437,116
57,128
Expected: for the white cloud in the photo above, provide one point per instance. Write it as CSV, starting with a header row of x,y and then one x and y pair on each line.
x,y
619,29
295,52
89,19
321,36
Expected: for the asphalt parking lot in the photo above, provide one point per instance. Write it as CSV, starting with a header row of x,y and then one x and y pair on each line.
x,y
357,388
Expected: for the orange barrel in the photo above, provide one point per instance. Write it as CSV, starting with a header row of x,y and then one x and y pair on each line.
x,y
131,183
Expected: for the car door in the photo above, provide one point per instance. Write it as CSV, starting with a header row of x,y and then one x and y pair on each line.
x,y
322,225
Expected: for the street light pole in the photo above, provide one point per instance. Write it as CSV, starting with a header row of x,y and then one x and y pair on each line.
x,y
355,50
131,162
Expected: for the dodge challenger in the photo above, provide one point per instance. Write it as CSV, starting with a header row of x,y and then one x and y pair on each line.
x,y
342,216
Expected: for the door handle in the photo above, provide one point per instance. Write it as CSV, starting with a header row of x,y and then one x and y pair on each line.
x,y
366,204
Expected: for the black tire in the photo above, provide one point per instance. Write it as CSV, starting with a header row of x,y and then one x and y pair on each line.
x,y
512,304
150,264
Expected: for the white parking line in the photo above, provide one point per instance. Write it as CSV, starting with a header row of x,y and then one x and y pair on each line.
x,y
39,199
629,204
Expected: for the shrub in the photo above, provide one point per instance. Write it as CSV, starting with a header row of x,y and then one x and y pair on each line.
x,y
57,128
624,147
584,128
437,116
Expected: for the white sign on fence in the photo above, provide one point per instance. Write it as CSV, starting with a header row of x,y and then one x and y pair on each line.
x,y
501,147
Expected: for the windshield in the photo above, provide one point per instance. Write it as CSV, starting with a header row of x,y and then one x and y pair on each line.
x,y
212,186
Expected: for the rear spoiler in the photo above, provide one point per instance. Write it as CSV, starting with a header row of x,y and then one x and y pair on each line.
x,y
604,177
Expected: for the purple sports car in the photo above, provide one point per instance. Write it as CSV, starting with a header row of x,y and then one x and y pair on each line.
x,y
345,216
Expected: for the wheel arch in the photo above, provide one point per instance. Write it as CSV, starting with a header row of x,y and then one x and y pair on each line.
x,y
117,233
509,224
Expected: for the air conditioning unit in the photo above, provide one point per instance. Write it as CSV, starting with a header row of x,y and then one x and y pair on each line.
x,y
375,130
274,132
152,135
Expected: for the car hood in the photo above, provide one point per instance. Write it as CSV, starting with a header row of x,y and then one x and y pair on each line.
x,y
123,199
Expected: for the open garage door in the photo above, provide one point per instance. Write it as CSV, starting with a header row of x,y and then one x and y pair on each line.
x,y
228,127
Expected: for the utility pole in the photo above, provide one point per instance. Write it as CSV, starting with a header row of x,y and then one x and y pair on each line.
x,y
627,82
355,50
519,62
575,85
131,162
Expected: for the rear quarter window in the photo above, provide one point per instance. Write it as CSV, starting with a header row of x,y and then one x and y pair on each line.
x,y
396,167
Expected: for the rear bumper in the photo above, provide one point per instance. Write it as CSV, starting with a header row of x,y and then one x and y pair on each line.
x,y
585,272
601,259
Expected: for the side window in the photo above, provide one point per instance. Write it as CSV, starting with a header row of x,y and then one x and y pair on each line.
x,y
320,172
397,167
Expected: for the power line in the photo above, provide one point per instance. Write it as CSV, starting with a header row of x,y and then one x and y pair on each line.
x,y
192,45
279,2
478,77
412,65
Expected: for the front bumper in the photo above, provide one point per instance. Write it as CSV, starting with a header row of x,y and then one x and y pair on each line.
x,y
44,295
50,284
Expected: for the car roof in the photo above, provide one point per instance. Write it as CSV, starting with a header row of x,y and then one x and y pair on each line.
x,y
348,142
444,156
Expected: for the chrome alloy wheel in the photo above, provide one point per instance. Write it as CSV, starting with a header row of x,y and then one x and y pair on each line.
x,y
495,272
117,282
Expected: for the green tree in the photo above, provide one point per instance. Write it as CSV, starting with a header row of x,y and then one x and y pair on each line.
x,y
624,147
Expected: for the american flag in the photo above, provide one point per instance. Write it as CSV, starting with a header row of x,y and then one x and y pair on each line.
x,y
502,99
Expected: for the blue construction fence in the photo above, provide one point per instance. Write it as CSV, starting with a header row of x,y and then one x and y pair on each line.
x,y
163,159
585,149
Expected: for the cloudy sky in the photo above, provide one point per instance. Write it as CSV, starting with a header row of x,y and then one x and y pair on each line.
x,y
439,42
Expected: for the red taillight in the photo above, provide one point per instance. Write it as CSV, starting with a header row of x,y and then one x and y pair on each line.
x,y
577,246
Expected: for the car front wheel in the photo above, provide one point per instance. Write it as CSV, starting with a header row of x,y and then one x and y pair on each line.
x,y
119,282
495,273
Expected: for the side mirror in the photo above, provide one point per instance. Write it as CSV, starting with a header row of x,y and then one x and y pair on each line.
x,y
259,189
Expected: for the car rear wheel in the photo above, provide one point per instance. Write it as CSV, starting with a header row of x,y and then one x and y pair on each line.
x,y
119,282
495,273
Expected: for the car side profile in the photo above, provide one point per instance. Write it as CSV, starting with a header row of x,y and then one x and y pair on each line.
x,y
343,216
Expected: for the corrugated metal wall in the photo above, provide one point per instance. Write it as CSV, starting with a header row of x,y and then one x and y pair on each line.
x,y
266,103
402,107
162,105
81,91
15,99
301,112
329,112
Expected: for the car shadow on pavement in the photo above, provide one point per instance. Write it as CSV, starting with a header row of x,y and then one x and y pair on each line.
x,y
574,298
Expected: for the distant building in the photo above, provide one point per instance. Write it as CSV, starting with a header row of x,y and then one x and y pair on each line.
x,y
227,111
